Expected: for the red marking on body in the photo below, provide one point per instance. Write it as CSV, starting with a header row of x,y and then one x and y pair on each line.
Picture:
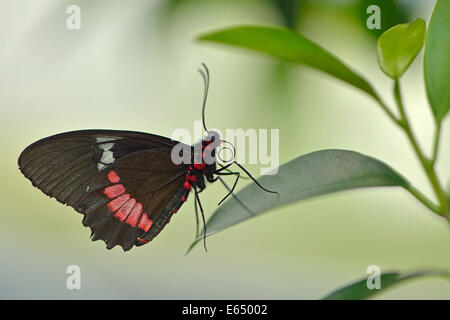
x,y
115,204
187,185
183,198
114,191
124,210
134,215
190,178
199,166
145,223
175,210
113,177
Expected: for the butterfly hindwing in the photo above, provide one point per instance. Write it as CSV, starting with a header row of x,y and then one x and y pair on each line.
x,y
127,199
122,181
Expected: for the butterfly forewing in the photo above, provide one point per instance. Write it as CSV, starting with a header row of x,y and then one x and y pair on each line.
x,y
123,182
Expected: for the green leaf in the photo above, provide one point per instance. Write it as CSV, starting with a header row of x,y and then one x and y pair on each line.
x,y
289,45
307,176
399,46
437,60
289,10
359,290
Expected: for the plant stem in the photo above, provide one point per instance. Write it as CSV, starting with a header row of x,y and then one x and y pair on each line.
x,y
436,143
422,198
387,110
428,165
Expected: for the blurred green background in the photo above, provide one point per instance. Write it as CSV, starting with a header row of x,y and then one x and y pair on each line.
x,y
133,66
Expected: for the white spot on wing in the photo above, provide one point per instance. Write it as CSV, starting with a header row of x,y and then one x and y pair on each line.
x,y
104,139
107,155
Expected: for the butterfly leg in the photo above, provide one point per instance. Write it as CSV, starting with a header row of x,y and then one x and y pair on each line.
x,y
235,197
196,218
224,167
219,171
237,174
197,199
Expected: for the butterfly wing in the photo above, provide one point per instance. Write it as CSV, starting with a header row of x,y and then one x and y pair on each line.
x,y
123,182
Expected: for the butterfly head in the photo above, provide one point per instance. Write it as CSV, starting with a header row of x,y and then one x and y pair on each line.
x,y
212,140
205,150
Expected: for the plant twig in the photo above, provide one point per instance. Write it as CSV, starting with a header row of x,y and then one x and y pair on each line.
x,y
387,110
436,143
426,164
422,198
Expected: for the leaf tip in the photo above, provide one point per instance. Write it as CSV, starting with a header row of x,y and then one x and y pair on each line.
x,y
193,244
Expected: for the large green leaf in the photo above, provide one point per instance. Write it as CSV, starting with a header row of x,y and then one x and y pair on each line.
x,y
359,290
398,47
289,45
437,60
307,176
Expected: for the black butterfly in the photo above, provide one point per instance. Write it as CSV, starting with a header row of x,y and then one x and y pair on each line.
x,y
125,183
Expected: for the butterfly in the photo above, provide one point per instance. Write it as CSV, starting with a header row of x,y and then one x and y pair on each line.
x,y
125,183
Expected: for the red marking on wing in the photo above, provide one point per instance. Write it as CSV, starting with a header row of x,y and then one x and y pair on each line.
x,y
127,209
123,212
114,191
113,177
134,215
145,222
142,240
175,210
115,204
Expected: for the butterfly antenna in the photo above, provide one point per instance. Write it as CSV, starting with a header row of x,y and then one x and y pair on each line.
x,y
205,75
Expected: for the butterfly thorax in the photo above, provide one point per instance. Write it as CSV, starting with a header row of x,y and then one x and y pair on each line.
x,y
203,164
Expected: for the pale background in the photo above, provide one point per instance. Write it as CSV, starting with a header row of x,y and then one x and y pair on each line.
x,y
133,66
